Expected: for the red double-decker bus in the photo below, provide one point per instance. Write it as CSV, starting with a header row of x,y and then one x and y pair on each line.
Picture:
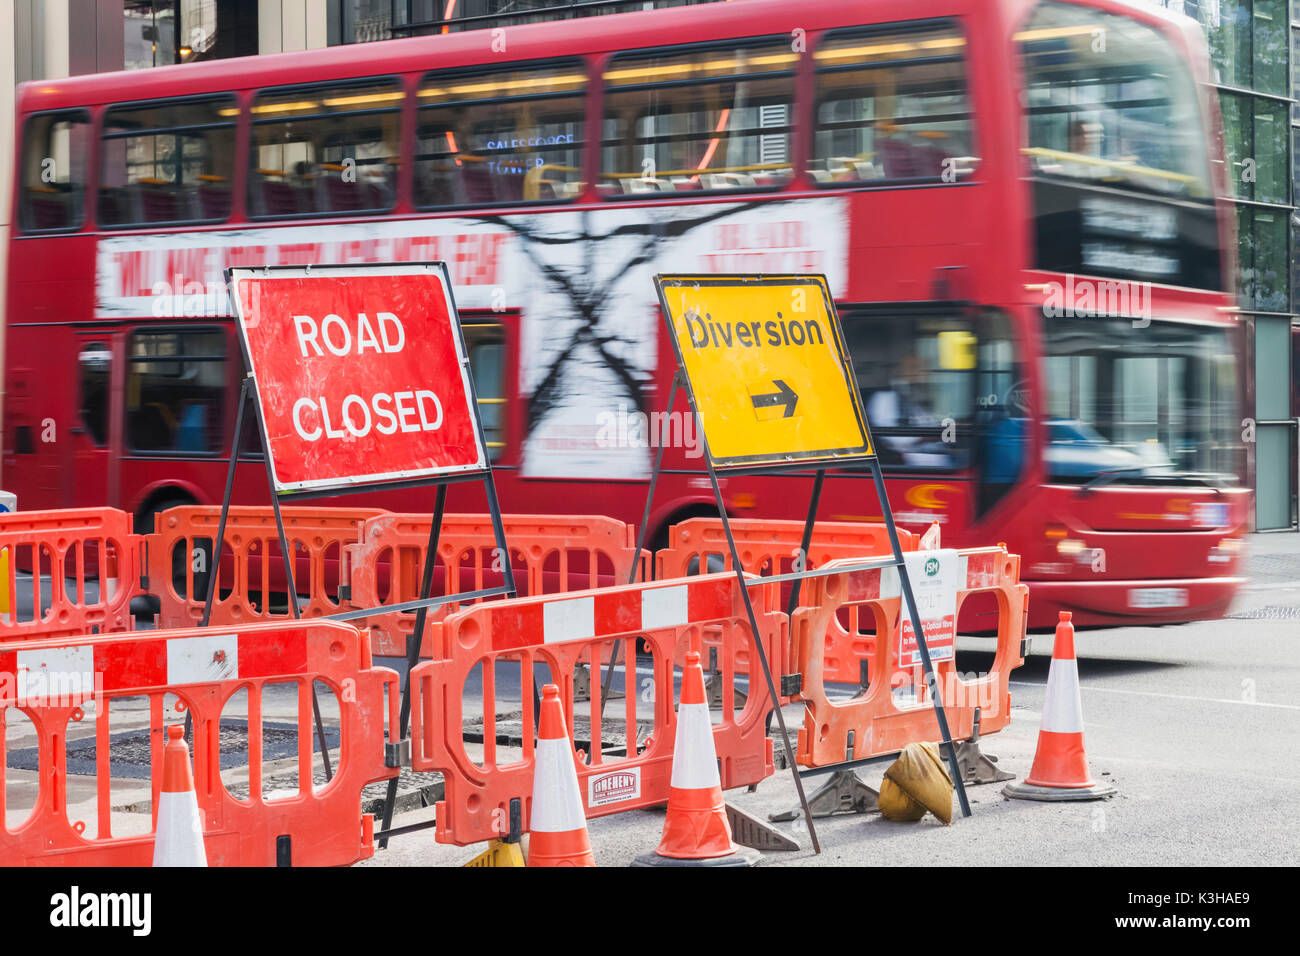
x,y
1013,202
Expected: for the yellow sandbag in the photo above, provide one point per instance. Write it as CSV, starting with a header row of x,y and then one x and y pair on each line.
x,y
920,774
896,805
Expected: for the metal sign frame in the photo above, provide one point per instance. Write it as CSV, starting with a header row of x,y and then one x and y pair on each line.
x,y
841,456
681,380
326,486
441,481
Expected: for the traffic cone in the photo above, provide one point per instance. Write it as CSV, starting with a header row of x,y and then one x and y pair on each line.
x,y
1060,769
559,823
178,835
696,831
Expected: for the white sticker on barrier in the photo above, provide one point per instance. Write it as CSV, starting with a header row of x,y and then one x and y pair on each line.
x,y
571,620
936,577
198,660
664,607
53,672
614,786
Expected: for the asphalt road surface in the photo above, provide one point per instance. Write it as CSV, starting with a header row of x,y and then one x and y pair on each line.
x,y
1196,725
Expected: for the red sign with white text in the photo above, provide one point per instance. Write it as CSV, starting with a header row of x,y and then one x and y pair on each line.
x,y
360,373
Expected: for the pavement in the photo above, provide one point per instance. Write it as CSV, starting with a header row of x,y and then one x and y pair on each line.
x,y
1196,725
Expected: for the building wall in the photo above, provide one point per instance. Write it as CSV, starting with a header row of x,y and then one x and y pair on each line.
x,y
1256,78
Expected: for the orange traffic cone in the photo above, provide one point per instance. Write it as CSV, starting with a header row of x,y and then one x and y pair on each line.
x,y
696,831
1060,770
559,823
178,835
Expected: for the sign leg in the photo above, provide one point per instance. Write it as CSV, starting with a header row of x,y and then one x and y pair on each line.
x,y
931,681
640,540
413,642
762,658
214,561
294,609
806,542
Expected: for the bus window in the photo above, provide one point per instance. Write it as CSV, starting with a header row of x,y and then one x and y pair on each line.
x,y
712,119
892,107
1110,102
325,150
505,136
942,391
487,359
1139,400
167,162
176,390
1117,153
55,147
95,361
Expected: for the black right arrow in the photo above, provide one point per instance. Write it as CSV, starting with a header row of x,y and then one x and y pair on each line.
x,y
783,396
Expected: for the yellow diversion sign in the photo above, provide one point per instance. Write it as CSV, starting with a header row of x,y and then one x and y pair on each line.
x,y
766,367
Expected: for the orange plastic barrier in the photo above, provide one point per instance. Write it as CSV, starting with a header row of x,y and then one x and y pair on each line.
x,y
826,627
549,554
84,566
319,537
488,643
769,547
320,824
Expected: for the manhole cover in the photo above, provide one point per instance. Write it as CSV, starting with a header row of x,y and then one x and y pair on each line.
x,y
129,751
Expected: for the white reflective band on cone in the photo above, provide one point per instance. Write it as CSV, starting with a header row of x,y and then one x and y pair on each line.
x,y
695,762
179,834
557,802
1062,713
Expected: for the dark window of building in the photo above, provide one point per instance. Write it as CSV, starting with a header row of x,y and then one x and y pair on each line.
x,y
1255,134
176,391
696,120
167,162
892,107
325,150
55,148
513,135
1263,258
162,32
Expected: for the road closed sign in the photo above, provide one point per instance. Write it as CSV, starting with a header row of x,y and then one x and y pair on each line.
x,y
361,374
768,373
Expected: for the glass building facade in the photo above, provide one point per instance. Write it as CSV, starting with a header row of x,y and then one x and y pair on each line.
x,y
1255,70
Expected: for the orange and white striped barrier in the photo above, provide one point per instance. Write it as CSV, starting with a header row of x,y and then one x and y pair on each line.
x,y
52,683
696,831
178,833
253,567
855,616
84,567
549,554
1060,768
559,824
563,632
